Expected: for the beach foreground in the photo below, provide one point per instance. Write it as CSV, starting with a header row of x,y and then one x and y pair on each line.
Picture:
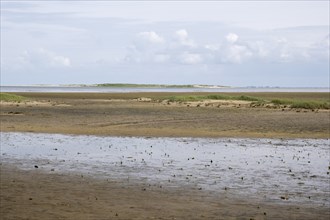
x,y
36,195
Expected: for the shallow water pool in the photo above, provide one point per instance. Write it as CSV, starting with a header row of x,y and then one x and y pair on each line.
x,y
264,169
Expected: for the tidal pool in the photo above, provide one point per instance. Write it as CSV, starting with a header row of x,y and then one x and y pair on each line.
x,y
268,170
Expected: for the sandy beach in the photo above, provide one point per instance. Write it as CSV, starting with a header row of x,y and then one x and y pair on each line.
x,y
38,194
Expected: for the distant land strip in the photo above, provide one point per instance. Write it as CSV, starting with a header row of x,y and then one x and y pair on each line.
x,y
128,85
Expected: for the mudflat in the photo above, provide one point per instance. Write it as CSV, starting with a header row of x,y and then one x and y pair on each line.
x,y
137,114
35,194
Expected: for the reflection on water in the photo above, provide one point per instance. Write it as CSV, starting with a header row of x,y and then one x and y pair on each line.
x,y
91,89
268,169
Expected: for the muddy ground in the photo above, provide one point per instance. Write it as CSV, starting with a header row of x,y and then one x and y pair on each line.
x,y
127,115
36,195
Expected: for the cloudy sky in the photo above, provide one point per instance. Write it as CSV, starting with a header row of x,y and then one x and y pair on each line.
x,y
235,43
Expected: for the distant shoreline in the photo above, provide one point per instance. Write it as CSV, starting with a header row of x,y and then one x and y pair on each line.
x,y
128,88
142,85
128,85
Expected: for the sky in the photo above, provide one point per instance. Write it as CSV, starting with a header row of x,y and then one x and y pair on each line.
x,y
230,43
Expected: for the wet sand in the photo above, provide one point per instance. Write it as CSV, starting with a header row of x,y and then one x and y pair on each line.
x,y
36,194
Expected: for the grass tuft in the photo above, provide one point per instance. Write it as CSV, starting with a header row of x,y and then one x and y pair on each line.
x,y
191,98
249,98
281,102
291,103
218,97
185,98
310,105
7,97
302,104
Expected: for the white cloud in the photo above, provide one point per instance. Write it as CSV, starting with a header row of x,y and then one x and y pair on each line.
x,y
233,49
151,36
43,57
237,54
232,38
62,61
187,51
147,42
182,34
190,58
183,38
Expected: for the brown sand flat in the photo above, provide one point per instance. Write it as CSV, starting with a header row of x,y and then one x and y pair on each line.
x,y
125,115
37,195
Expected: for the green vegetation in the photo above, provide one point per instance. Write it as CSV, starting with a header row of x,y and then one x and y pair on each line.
x,y
311,105
305,104
250,98
292,103
191,98
183,98
10,97
281,102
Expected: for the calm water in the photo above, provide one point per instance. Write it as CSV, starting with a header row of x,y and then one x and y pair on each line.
x,y
123,90
261,169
